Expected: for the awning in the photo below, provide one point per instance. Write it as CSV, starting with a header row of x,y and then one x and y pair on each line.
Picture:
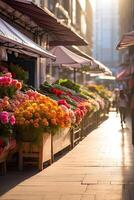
x,y
101,67
126,41
95,65
104,77
63,34
12,38
66,57
76,50
125,73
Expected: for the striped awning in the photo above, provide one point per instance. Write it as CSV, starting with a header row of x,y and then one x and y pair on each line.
x,y
12,38
126,41
125,73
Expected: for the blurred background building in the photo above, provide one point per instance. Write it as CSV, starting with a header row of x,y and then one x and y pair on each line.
x,y
106,33
126,20
126,17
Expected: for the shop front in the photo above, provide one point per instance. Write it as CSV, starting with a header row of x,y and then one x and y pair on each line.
x,y
20,51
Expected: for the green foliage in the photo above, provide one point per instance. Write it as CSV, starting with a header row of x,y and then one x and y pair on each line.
x,y
45,86
100,89
6,130
69,84
18,72
7,91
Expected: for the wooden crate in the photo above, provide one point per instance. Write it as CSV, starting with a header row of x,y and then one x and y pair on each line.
x,y
75,135
61,140
42,151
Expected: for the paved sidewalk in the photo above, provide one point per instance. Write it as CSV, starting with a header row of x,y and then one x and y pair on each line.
x,y
101,167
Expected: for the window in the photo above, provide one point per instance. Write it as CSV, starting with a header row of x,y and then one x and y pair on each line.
x,y
74,11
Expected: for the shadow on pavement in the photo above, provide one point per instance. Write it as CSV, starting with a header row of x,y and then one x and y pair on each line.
x,y
14,177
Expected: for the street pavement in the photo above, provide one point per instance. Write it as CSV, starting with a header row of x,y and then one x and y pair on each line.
x,y
100,167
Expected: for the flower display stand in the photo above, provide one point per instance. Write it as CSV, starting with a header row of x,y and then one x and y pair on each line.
x,y
61,140
89,123
39,152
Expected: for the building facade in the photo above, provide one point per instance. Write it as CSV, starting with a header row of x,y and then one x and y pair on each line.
x,y
42,26
126,26
106,33
126,20
77,14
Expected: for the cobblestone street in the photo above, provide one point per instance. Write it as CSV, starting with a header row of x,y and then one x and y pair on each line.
x,y
100,167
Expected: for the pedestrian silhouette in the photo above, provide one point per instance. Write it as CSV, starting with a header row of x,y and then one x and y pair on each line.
x,y
122,105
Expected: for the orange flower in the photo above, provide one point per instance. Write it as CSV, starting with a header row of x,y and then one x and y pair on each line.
x,y
36,120
53,113
26,114
53,121
62,125
37,115
36,125
27,122
38,109
18,85
45,122
31,121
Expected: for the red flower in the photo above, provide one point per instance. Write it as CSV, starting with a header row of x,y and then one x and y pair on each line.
x,y
57,92
63,102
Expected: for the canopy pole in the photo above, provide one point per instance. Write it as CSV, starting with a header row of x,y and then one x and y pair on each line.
x,y
75,75
84,78
37,73
50,72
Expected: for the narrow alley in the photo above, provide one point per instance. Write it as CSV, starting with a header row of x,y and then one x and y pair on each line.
x,y
100,167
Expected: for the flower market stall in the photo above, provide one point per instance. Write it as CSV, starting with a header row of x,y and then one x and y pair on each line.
x,y
15,47
40,124
45,122
88,106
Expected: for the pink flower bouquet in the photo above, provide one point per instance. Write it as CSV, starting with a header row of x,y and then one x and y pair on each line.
x,y
8,85
7,122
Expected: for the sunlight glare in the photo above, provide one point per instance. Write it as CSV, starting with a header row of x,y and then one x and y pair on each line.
x,y
83,4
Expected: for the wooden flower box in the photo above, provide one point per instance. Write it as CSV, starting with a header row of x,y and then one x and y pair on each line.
x,y
61,140
39,152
